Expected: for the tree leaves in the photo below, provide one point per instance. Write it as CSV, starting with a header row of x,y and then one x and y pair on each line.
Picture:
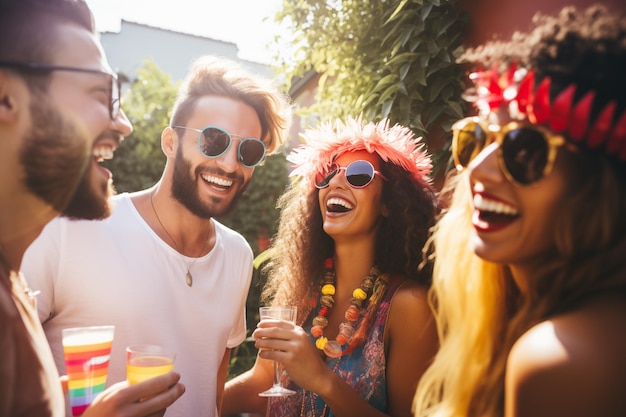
x,y
379,58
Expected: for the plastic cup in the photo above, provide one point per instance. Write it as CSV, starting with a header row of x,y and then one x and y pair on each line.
x,y
147,361
87,351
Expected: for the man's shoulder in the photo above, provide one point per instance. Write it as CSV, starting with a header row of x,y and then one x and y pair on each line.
x,y
229,234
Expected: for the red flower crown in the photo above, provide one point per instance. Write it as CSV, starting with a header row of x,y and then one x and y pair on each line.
x,y
514,88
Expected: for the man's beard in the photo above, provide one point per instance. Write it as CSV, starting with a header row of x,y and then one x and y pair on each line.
x,y
54,155
90,204
56,160
185,191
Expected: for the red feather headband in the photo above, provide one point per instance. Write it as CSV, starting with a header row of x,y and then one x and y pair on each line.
x,y
395,144
561,115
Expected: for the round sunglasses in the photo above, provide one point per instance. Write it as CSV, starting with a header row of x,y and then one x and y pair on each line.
x,y
358,174
214,142
526,152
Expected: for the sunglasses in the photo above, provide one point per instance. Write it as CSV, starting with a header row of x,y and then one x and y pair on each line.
x,y
526,152
214,142
358,174
114,95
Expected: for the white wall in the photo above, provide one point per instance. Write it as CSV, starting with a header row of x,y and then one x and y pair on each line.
x,y
172,51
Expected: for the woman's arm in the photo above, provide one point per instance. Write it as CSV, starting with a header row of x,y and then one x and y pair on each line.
x,y
411,339
241,394
412,344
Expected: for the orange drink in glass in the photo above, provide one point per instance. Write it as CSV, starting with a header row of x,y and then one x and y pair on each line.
x,y
147,361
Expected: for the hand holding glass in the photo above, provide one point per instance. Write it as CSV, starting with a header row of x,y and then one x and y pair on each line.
x,y
147,361
278,313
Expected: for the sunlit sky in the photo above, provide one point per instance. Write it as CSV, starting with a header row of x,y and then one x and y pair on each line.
x,y
242,22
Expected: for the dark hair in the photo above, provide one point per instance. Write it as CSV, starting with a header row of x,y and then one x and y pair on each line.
x,y
582,47
402,234
28,28
28,32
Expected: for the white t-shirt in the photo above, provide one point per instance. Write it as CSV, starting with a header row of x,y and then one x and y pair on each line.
x,y
118,271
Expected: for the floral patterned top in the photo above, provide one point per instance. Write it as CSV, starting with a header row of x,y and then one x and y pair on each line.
x,y
363,369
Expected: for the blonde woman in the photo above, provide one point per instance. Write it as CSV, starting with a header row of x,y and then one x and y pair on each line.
x,y
530,268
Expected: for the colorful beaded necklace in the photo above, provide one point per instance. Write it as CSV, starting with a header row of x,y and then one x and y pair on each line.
x,y
360,296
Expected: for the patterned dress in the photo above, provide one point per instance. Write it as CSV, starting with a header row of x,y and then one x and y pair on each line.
x,y
363,369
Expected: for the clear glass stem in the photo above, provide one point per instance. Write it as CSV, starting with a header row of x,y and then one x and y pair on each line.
x,y
277,382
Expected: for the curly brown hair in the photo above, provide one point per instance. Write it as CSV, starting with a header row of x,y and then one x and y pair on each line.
x,y
301,245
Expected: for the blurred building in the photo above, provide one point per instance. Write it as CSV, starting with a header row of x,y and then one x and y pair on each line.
x,y
172,51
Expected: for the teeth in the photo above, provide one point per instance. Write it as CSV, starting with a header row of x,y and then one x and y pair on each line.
x,y
101,152
483,204
339,202
218,181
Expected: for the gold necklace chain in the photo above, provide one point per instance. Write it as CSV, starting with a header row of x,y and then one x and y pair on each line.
x,y
188,276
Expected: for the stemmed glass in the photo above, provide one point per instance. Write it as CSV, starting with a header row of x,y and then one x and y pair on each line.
x,y
278,313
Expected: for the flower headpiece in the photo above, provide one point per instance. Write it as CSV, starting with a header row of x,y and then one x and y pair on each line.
x,y
396,144
515,89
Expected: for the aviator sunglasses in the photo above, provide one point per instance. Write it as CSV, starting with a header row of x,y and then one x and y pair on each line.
x,y
358,174
214,142
526,152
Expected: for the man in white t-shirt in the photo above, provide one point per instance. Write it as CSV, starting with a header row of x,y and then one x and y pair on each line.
x,y
161,268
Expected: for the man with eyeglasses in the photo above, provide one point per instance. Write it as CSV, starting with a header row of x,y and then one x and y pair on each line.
x,y
59,116
161,268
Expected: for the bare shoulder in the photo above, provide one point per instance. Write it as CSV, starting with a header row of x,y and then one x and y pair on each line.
x,y
410,298
572,364
410,310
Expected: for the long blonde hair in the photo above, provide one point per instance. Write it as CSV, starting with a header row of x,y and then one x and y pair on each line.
x,y
479,311
480,314
459,286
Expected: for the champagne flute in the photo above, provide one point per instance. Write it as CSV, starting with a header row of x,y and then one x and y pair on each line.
x,y
279,313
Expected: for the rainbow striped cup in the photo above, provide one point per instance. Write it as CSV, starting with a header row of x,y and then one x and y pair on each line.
x,y
87,351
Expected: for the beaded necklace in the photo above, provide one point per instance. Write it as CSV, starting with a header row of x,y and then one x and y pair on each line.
x,y
360,296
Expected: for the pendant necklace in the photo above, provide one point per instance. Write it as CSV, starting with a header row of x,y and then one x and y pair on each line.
x,y
188,276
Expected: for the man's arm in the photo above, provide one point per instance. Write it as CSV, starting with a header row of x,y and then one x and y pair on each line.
x,y
221,380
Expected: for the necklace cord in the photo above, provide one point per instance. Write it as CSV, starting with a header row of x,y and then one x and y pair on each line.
x,y
188,276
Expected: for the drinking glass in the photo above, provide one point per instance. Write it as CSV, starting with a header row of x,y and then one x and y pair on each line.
x,y
87,351
147,361
279,313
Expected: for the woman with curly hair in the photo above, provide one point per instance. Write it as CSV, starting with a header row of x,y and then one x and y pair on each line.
x,y
347,254
529,281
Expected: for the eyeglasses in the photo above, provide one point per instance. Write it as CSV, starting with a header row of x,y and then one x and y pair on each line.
x,y
114,99
214,142
358,174
526,153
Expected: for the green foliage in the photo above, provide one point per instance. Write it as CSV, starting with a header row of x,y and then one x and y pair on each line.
x,y
255,215
139,161
379,58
